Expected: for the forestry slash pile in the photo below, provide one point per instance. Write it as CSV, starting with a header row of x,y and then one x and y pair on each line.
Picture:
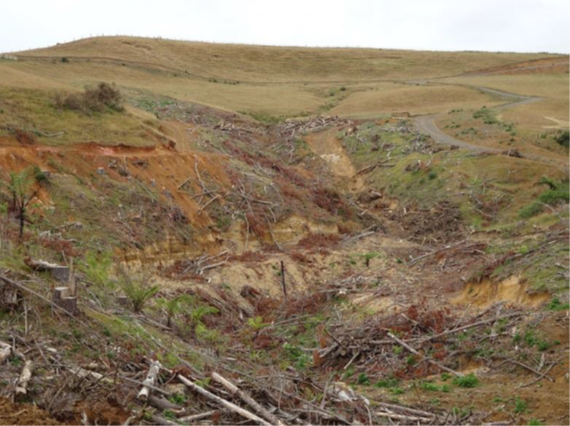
x,y
227,276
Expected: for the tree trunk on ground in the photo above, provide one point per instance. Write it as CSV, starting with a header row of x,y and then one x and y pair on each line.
x,y
22,386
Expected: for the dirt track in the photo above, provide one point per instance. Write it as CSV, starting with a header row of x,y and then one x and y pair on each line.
x,y
426,123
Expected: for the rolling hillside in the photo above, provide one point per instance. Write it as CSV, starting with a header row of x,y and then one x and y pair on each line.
x,y
197,233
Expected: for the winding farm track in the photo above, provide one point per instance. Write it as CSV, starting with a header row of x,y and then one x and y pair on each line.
x,y
426,124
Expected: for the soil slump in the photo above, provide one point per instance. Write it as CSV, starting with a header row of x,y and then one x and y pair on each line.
x,y
487,292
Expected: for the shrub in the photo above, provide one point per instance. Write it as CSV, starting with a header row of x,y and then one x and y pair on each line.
x,y
428,386
521,406
557,193
488,116
563,138
556,305
469,381
104,97
531,210
174,306
387,383
363,379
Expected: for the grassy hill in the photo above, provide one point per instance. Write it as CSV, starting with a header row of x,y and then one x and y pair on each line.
x,y
278,81
265,64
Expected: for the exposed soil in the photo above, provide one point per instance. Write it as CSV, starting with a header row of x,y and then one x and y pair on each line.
x,y
487,292
23,414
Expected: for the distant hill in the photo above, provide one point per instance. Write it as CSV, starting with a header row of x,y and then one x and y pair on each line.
x,y
247,63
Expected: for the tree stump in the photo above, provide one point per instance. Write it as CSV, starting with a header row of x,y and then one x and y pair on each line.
x,y
10,297
69,304
59,293
61,299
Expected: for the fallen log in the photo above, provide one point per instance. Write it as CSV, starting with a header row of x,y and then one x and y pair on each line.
x,y
196,417
150,379
247,399
164,404
5,352
402,417
4,347
160,420
22,386
415,411
242,412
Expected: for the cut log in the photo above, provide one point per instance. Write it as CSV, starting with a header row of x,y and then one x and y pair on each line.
x,y
247,399
82,372
5,352
164,404
40,265
196,417
149,381
22,386
59,272
242,412
13,351
160,420
402,417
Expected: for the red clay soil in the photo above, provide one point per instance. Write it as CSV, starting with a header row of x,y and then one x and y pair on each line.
x,y
23,414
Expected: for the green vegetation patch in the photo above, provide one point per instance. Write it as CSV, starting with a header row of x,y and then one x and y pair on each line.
x,y
35,115
558,192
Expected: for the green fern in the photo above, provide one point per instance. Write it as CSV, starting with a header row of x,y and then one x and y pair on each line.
x,y
138,289
174,306
256,323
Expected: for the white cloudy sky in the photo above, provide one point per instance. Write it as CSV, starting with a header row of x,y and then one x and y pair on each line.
x,y
494,25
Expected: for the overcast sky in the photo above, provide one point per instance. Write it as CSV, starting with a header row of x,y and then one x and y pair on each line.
x,y
492,25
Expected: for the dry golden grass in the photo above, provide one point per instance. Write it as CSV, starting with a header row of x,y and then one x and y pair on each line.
x,y
553,88
277,64
386,98
287,81
276,99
